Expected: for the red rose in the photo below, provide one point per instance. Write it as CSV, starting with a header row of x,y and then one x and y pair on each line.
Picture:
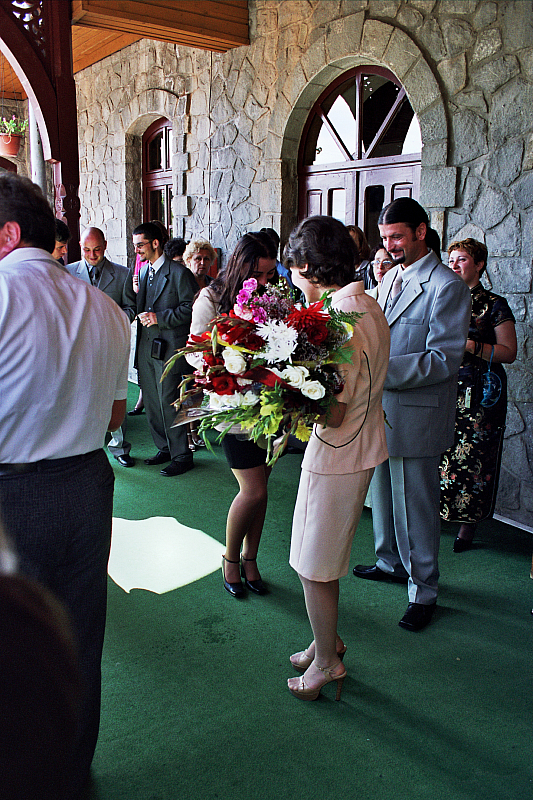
x,y
224,384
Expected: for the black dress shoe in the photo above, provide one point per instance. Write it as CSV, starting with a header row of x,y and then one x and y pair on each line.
x,y
159,458
135,412
374,573
177,468
254,586
126,460
460,545
235,589
417,616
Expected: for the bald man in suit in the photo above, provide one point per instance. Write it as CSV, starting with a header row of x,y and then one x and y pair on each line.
x,y
115,281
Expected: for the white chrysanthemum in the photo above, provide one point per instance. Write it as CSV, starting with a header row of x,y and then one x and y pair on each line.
x,y
313,390
295,376
280,340
234,361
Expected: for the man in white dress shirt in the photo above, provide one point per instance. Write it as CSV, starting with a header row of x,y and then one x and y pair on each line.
x,y
60,395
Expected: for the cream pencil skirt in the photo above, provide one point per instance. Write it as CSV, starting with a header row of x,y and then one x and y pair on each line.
x,y
326,515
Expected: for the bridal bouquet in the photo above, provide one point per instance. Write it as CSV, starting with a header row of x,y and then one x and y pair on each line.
x,y
268,366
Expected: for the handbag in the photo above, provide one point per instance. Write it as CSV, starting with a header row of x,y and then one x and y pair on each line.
x,y
491,385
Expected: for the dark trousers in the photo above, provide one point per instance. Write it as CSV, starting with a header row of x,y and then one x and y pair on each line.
x,y
158,396
58,517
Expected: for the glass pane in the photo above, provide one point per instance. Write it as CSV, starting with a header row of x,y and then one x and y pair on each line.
x,y
413,139
170,214
379,95
168,159
393,141
341,117
374,201
157,205
337,200
155,153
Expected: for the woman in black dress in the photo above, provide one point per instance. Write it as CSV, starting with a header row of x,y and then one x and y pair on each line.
x,y
470,469
253,257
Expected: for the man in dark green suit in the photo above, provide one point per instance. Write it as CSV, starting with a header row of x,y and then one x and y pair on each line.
x,y
164,307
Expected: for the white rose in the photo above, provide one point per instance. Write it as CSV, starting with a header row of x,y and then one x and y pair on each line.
x,y
250,399
234,361
313,390
214,401
231,400
295,376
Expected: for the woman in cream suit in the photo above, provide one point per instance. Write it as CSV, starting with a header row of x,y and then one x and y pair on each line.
x,y
340,458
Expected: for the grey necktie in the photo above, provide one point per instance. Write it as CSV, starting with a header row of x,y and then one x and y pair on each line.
x,y
397,285
95,276
151,273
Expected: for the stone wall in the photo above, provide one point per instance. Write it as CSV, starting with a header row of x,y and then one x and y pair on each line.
x,y
467,67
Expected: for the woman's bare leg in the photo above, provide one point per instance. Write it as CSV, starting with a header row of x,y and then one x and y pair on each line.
x,y
322,603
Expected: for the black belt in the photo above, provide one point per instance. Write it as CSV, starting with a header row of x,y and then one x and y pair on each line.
x,y
45,464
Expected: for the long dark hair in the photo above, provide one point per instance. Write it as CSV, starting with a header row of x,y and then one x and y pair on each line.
x,y
324,244
241,266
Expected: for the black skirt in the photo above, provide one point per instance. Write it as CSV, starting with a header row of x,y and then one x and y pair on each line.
x,y
242,453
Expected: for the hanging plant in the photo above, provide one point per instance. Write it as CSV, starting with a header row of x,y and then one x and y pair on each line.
x,y
13,125
11,132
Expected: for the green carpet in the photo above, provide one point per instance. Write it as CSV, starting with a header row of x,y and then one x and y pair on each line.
x,y
195,703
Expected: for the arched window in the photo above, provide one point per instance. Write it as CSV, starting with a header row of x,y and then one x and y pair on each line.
x,y
157,173
6,165
360,149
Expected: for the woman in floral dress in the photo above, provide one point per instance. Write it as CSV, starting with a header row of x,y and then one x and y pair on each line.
x,y
470,469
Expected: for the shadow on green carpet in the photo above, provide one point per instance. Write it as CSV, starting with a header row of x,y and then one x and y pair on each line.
x,y
195,703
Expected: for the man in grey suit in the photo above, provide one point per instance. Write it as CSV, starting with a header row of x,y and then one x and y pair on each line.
x,y
115,281
164,303
428,310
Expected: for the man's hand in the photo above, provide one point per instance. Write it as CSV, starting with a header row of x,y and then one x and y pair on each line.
x,y
148,318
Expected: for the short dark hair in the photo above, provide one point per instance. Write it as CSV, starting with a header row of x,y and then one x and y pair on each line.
x,y
63,233
151,231
325,245
474,248
241,266
406,210
174,247
22,201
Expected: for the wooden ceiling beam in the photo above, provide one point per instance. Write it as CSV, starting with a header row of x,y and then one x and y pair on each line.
x,y
207,24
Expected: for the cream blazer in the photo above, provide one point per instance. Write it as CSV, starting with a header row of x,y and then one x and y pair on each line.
x,y
360,442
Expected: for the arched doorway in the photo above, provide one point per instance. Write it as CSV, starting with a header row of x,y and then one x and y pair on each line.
x,y
360,149
157,172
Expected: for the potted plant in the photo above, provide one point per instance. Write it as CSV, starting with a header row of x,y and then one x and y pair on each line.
x,y
11,132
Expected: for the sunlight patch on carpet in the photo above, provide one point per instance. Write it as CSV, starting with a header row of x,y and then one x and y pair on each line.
x,y
160,554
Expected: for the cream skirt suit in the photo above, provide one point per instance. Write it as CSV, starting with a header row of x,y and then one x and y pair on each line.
x,y
339,462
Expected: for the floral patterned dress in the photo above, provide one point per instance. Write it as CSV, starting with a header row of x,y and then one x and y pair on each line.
x,y
469,470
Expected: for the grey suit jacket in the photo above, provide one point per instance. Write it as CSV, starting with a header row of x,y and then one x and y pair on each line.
x,y
428,326
115,281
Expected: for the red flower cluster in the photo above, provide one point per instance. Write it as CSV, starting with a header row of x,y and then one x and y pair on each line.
x,y
311,321
233,329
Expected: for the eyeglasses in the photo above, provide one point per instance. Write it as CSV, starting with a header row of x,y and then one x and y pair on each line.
x,y
141,244
385,263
